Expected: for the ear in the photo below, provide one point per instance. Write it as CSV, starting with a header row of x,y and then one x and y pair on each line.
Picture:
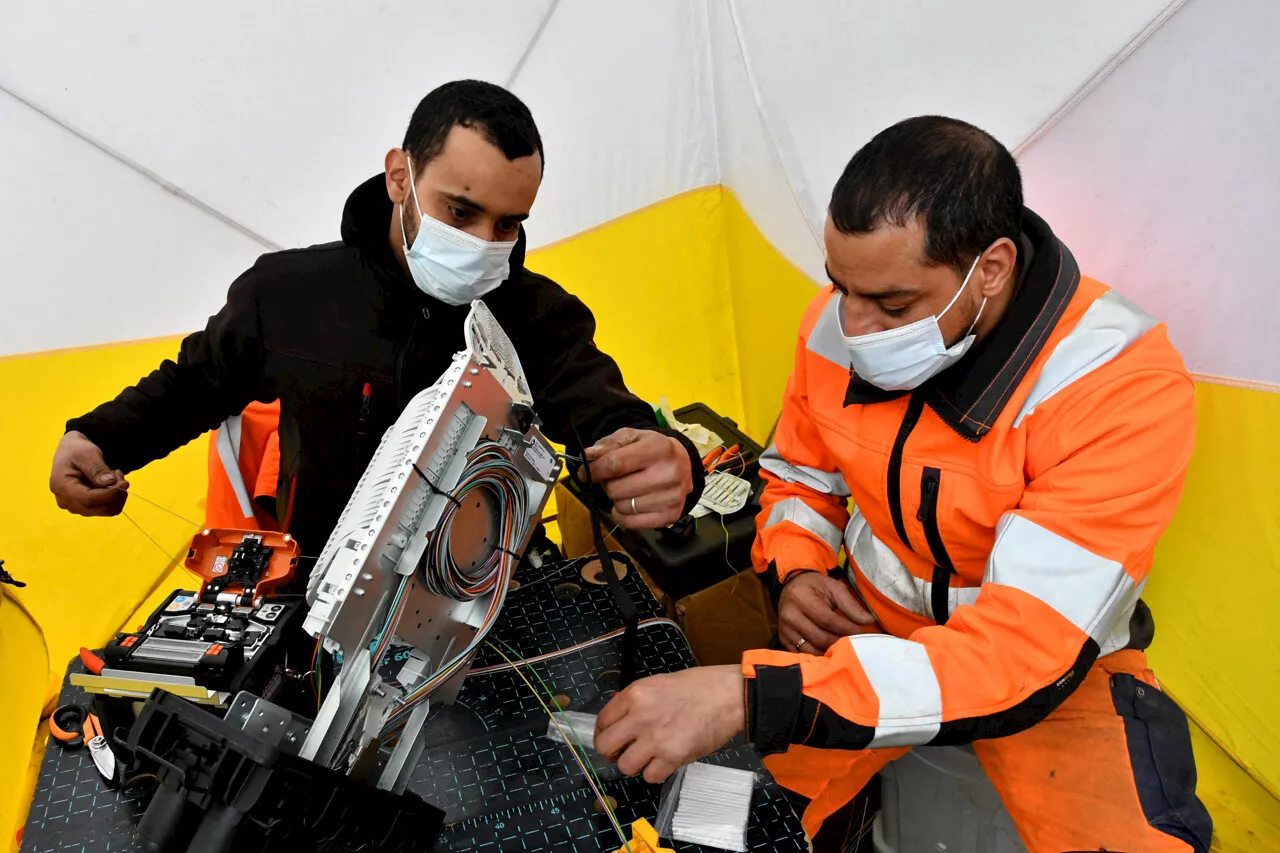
x,y
997,267
396,164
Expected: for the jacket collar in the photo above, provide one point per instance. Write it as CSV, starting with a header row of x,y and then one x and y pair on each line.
x,y
970,395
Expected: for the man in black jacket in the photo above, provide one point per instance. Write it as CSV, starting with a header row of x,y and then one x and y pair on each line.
x,y
344,334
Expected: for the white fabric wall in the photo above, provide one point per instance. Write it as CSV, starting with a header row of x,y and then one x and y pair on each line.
x,y
751,158
262,117
92,251
1164,182
267,112
622,96
270,114
828,78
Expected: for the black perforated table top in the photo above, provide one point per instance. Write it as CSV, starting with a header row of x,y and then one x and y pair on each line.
x,y
556,607
503,784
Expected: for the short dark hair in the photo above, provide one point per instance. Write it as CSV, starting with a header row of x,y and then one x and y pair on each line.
x,y
499,115
959,178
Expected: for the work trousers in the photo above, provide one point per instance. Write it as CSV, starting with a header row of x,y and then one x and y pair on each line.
x,y
1110,769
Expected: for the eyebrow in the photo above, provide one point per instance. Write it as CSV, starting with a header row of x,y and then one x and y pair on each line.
x,y
471,204
888,293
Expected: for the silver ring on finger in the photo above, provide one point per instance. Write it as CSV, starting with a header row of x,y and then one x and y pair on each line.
x,y
634,511
800,643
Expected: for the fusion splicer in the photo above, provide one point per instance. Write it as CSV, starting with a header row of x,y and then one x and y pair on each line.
x,y
207,646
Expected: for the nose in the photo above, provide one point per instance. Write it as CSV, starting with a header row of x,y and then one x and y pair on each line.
x,y
861,318
486,231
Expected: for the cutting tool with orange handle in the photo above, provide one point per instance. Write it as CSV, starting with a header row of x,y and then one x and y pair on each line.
x,y
710,461
73,726
731,458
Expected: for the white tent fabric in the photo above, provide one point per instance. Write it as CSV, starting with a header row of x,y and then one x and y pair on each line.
x,y
1163,182
95,252
266,116
622,97
827,82
266,112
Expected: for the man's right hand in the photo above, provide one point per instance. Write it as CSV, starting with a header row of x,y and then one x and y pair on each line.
x,y
82,481
816,610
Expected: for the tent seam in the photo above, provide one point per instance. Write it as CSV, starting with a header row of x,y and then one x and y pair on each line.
x,y
533,42
726,267
711,83
134,165
731,296
1222,745
758,97
1080,94
20,356
1233,382
591,229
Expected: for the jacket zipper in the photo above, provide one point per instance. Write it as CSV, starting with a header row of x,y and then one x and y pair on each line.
x,y
943,568
914,407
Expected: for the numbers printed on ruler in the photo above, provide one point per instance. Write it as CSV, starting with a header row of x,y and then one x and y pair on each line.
x,y
496,820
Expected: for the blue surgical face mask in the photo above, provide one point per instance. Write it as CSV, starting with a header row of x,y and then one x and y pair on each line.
x,y
904,358
452,265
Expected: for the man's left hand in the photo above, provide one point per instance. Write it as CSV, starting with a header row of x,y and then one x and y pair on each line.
x,y
645,473
661,723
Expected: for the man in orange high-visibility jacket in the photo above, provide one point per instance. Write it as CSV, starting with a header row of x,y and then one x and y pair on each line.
x,y
1014,439
244,469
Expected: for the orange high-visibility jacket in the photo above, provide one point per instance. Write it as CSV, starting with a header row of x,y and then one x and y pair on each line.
x,y
244,466
1003,515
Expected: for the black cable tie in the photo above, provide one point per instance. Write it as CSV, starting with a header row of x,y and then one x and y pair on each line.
x,y
433,487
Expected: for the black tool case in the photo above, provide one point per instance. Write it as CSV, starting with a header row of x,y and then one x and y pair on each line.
x,y
693,554
221,789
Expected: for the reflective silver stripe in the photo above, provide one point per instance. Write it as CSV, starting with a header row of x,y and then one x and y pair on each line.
x,y
229,456
906,685
827,336
1091,592
1109,326
827,482
883,570
807,518
1119,637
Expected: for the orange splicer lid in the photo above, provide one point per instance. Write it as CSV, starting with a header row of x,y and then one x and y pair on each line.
x,y
211,551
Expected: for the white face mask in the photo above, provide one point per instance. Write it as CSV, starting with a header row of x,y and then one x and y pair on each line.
x,y
901,359
449,264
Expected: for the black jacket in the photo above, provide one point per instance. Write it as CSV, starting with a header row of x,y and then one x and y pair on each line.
x,y
312,326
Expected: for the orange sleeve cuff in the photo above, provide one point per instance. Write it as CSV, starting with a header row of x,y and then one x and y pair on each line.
x,y
768,657
791,552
